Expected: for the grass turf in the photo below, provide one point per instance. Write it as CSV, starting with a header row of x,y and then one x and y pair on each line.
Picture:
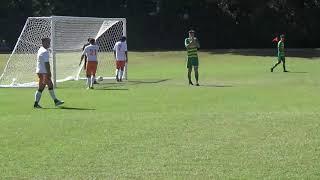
x,y
243,122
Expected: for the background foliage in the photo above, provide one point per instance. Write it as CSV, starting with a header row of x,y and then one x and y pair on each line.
x,y
162,24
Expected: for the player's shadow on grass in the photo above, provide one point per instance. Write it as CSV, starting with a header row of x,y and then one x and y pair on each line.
x,y
112,89
215,85
114,86
297,72
76,108
134,82
72,108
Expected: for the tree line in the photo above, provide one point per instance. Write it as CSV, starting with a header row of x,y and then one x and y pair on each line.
x,y
163,24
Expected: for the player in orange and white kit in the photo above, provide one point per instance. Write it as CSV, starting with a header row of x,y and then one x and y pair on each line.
x,y
43,71
91,51
121,56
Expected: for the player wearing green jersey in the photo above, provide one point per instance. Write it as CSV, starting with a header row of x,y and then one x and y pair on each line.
x,y
192,45
281,55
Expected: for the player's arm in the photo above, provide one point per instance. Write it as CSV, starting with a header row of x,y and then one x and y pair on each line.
x,y
114,51
81,59
187,43
83,56
114,55
126,52
197,44
47,65
84,46
85,61
279,47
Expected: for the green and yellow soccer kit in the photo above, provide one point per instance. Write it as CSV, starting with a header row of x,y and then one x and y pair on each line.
x,y
281,54
192,50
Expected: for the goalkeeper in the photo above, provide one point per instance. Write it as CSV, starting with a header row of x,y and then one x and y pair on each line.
x,y
192,45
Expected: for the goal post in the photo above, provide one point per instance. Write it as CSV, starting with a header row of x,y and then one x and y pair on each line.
x,y
54,64
68,35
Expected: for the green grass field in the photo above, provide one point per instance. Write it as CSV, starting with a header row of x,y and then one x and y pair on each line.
x,y
242,123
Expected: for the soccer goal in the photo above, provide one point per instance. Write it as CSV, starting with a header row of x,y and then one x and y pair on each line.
x,y
68,35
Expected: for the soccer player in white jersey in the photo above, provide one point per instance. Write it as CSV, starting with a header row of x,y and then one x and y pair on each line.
x,y
121,56
85,59
44,73
91,52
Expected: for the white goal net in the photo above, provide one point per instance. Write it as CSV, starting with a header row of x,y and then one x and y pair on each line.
x,y
68,35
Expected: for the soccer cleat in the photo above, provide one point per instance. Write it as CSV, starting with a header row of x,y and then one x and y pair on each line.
x,y
91,87
58,102
271,69
95,82
197,84
190,83
285,71
37,106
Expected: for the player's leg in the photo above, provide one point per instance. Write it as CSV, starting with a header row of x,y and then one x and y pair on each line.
x,y
117,74
279,61
189,67
284,64
39,91
118,71
95,81
189,76
121,64
195,63
88,73
93,70
196,74
88,80
51,91
92,78
121,74
85,62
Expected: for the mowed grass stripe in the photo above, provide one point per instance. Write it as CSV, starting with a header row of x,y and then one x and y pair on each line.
x,y
243,122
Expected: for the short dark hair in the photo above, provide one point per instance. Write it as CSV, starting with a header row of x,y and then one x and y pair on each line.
x,y
89,39
92,41
123,39
45,39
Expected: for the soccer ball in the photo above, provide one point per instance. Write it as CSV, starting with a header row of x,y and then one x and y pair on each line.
x,y
14,83
99,78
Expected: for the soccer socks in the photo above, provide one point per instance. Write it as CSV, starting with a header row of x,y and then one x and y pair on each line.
x,y
196,74
53,96
120,74
92,81
88,81
284,66
37,96
189,77
117,73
